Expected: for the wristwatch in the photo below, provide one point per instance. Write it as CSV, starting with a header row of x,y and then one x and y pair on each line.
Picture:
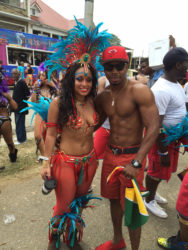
x,y
136,164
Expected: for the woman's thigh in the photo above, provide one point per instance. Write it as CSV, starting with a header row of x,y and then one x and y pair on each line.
x,y
6,131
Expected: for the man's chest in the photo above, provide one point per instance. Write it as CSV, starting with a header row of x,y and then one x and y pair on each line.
x,y
123,106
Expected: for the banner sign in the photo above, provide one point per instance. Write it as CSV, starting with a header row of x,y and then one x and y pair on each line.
x,y
21,39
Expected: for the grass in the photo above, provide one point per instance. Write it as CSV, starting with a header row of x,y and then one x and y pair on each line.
x,y
26,159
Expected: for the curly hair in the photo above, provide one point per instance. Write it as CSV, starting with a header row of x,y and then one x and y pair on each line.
x,y
67,96
53,91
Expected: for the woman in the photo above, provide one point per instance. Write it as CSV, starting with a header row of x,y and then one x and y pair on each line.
x,y
42,87
29,75
5,121
74,164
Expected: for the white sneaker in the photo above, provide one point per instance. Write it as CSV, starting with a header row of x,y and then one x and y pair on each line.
x,y
18,143
160,199
154,208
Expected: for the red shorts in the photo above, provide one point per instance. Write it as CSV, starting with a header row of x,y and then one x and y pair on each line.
x,y
100,141
117,189
158,171
182,201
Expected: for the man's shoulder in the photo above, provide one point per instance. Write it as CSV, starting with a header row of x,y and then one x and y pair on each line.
x,y
21,81
101,97
138,86
162,85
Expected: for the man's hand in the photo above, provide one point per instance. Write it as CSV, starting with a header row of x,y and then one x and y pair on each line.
x,y
165,160
172,41
129,171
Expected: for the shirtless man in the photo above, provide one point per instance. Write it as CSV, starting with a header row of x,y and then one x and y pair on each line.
x,y
130,107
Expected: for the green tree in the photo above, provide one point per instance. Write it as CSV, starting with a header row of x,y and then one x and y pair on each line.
x,y
115,40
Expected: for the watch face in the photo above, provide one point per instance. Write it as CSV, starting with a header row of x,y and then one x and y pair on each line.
x,y
136,164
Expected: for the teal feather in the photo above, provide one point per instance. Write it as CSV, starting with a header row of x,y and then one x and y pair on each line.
x,y
80,40
40,107
176,132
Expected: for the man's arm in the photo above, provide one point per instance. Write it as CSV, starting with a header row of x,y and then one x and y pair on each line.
x,y
101,84
99,109
26,90
150,117
162,149
144,99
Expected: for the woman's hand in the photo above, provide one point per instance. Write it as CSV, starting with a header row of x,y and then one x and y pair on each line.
x,y
36,85
7,96
46,170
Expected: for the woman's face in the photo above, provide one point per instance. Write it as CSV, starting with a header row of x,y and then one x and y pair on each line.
x,y
83,83
42,76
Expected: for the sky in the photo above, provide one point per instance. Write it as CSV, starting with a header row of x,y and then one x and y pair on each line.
x,y
137,23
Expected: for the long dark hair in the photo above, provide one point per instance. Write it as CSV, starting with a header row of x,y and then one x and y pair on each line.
x,y
67,107
53,90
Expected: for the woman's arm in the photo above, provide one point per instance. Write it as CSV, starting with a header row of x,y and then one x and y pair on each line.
x,y
34,94
11,101
50,137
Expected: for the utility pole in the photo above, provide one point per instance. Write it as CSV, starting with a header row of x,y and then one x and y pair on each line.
x,y
88,16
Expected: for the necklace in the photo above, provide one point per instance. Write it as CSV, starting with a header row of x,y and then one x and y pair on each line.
x,y
115,97
82,104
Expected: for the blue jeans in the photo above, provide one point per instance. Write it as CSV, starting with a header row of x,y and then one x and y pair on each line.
x,y
20,127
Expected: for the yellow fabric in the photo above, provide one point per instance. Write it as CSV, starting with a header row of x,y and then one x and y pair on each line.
x,y
134,195
139,200
118,167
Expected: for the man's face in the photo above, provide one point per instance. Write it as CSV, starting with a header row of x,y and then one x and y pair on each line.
x,y
144,68
182,69
15,75
116,71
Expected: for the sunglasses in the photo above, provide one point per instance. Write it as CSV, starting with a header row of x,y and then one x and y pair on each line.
x,y
119,66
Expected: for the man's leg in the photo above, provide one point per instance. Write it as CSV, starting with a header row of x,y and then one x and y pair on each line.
x,y
116,215
184,232
151,186
150,202
135,238
20,127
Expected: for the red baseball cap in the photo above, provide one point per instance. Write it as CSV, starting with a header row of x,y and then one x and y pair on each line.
x,y
114,53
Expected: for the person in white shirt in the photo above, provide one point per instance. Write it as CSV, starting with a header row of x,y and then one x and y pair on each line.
x,y
170,100
186,90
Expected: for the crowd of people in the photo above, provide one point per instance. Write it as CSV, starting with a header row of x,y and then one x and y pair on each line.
x,y
130,118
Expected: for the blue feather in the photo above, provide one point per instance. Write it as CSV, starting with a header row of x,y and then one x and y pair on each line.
x,y
81,201
40,107
176,132
68,51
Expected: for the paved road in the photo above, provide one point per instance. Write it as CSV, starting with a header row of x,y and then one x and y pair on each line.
x,y
32,210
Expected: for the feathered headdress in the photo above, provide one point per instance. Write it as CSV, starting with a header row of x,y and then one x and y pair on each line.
x,y
83,45
41,67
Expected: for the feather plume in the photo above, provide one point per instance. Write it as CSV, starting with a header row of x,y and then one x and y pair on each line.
x,y
176,132
82,45
40,107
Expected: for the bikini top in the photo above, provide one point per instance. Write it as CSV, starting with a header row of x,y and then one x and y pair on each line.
x,y
75,123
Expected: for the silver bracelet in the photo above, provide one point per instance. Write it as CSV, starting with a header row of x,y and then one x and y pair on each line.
x,y
43,158
162,154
